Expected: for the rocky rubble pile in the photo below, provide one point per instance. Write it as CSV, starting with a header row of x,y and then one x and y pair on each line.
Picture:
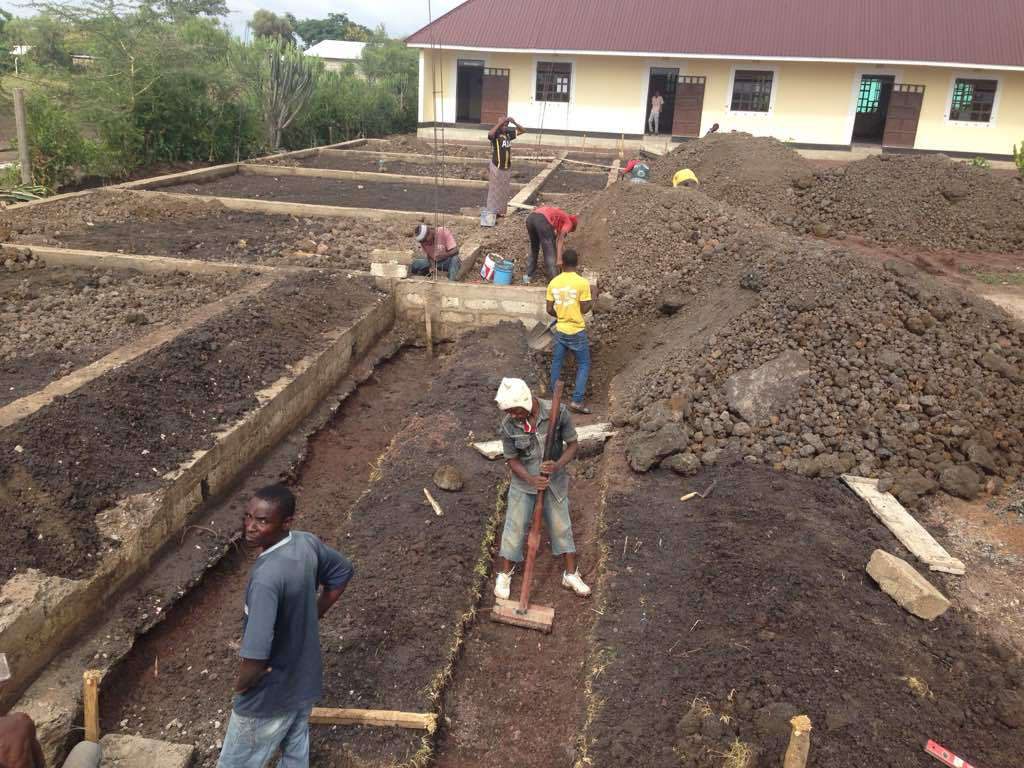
x,y
75,311
753,172
928,201
826,363
19,259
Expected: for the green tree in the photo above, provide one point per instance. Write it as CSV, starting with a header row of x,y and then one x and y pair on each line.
x,y
181,9
337,26
268,24
4,18
281,79
47,33
393,66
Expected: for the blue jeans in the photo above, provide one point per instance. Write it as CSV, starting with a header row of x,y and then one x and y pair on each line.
x,y
251,741
519,518
579,345
451,265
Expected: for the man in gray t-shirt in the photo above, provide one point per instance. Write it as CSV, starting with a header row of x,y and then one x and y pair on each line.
x,y
280,676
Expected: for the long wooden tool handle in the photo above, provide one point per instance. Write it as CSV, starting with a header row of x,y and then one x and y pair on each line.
x,y
533,541
91,703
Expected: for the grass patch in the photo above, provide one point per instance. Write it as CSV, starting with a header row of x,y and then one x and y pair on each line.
x,y
1000,278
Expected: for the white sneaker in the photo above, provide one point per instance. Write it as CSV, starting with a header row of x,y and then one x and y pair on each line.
x,y
503,584
575,583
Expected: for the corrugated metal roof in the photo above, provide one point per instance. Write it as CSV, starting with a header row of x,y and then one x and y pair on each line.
x,y
982,32
344,50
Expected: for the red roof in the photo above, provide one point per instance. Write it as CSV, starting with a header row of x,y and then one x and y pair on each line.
x,y
981,32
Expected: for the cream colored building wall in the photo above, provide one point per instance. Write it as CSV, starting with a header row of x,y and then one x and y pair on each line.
x,y
812,102
937,132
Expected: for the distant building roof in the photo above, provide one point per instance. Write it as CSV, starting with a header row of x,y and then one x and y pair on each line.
x,y
981,32
340,50
20,50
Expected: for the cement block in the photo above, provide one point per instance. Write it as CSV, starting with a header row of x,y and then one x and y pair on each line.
x,y
136,752
522,307
388,269
458,318
481,304
411,299
450,302
906,586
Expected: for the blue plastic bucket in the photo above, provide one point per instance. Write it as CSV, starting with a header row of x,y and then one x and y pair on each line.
x,y
503,272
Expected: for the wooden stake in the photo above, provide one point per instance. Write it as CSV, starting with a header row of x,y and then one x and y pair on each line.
x,y
91,699
433,503
799,743
22,129
430,330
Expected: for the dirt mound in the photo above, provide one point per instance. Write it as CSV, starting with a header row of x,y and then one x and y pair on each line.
x,y
103,205
928,201
744,170
752,607
892,375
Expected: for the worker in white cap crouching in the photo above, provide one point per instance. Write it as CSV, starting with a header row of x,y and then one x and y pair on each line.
x,y
440,252
524,430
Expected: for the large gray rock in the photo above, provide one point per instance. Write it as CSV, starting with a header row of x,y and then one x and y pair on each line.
x,y
961,481
645,450
980,455
683,464
136,752
911,591
756,393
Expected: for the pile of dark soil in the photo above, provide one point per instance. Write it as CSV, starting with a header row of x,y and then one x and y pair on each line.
x,y
159,226
122,432
394,196
54,320
755,173
929,201
893,375
753,606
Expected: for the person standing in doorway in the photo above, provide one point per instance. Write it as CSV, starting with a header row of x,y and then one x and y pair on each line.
x,y
568,301
654,119
499,170
281,673
547,227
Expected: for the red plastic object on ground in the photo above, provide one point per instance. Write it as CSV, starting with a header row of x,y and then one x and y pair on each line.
x,y
943,755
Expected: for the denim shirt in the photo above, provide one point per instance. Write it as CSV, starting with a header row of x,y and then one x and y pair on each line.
x,y
528,447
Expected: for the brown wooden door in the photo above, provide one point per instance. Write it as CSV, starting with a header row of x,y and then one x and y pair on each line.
x,y
689,106
904,113
495,100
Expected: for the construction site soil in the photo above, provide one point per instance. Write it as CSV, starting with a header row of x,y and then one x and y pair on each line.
x,y
880,371
54,319
725,617
122,432
162,226
929,201
391,640
567,179
451,169
349,194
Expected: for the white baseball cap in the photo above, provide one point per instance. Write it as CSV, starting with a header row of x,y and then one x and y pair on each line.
x,y
421,232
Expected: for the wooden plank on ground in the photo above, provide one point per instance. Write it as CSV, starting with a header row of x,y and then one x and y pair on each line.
x,y
386,717
904,527
523,196
196,174
410,157
491,449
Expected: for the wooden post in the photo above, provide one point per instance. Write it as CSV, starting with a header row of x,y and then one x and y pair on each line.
x,y
799,743
22,128
91,700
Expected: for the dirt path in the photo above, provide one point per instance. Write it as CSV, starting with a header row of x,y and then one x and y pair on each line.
x,y
193,648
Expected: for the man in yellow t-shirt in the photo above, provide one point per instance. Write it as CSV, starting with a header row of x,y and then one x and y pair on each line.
x,y
568,301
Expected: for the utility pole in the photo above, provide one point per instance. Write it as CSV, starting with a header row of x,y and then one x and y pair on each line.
x,y
22,127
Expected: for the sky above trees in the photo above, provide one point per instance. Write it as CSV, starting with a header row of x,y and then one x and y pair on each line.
x,y
400,17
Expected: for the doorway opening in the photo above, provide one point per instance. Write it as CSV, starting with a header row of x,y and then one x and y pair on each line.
x,y
872,108
663,81
469,91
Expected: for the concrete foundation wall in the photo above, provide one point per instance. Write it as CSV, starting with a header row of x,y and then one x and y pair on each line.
x,y
458,307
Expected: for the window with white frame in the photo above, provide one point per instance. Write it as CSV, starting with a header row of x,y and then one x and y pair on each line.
x,y
752,90
553,81
973,100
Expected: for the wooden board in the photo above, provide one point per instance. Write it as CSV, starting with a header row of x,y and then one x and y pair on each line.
x,y
539,617
491,449
904,527
260,169
384,717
